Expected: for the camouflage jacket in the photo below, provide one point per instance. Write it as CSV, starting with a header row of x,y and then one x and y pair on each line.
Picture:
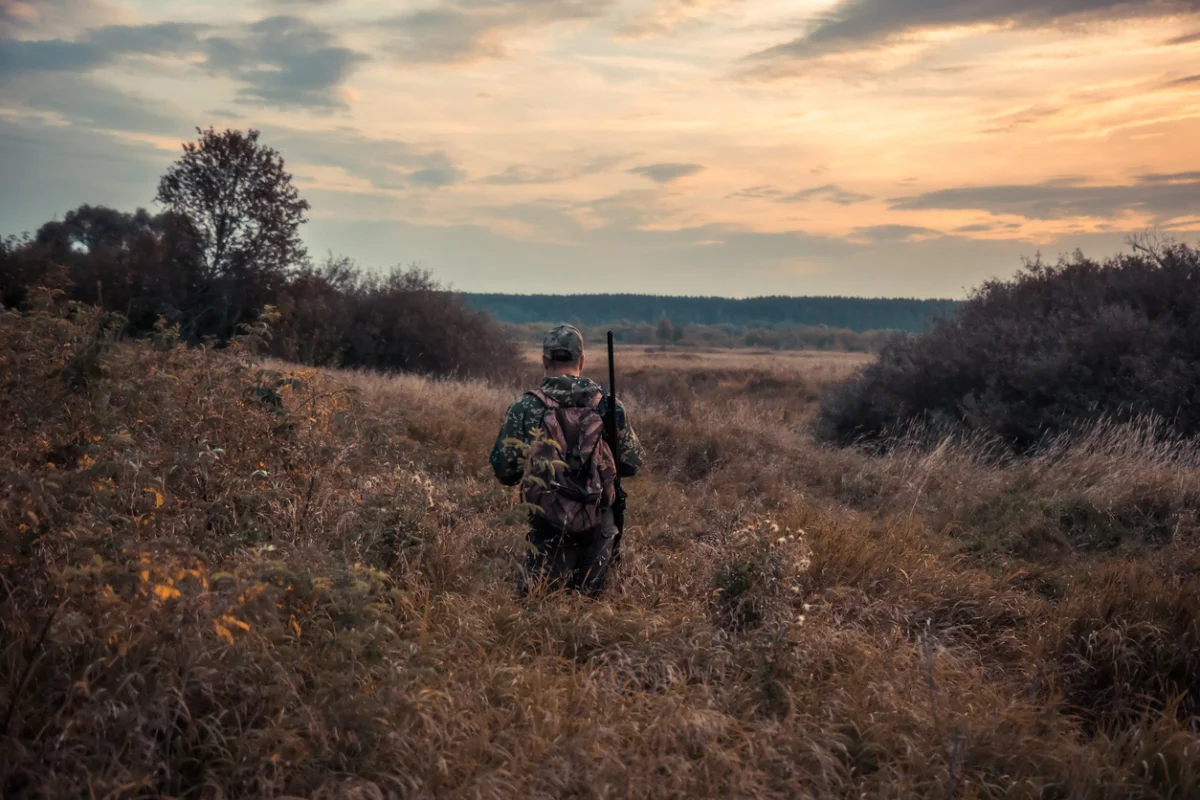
x,y
525,415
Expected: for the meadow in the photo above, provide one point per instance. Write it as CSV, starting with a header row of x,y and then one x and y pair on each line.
x,y
225,576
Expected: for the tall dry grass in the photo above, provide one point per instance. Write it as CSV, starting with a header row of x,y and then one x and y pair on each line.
x,y
224,577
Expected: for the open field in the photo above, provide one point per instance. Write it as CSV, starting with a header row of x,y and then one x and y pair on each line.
x,y
809,363
229,578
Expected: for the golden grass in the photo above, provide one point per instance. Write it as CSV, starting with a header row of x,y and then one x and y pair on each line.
x,y
209,595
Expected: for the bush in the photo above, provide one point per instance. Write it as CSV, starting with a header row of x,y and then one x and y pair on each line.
x,y
1038,355
401,321
24,266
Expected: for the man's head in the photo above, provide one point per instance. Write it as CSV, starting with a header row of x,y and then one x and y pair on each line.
x,y
562,351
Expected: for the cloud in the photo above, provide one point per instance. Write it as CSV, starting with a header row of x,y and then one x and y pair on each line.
x,y
987,227
667,17
1163,196
84,100
468,30
280,61
285,62
519,175
629,210
97,47
1188,81
858,24
436,177
49,17
667,172
526,175
1185,39
879,234
385,163
829,192
757,193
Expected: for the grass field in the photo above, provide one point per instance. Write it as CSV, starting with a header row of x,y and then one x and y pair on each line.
x,y
225,578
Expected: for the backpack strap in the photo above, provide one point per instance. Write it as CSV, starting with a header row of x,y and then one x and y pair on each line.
x,y
546,401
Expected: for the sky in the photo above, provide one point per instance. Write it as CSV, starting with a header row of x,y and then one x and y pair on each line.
x,y
882,148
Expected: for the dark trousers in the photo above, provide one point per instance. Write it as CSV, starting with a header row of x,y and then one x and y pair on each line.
x,y
576,562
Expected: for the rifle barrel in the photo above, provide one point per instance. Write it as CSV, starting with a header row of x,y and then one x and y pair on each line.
x,y
614,444
612,373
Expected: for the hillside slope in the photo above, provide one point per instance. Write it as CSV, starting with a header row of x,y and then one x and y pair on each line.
x,y
224,578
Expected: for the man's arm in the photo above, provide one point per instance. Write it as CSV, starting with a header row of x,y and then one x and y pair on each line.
x,y
512,444
633,455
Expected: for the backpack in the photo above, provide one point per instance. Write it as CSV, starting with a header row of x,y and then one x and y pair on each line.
x,y
570,470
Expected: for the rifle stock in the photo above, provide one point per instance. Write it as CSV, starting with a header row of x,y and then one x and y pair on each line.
x,y
614,444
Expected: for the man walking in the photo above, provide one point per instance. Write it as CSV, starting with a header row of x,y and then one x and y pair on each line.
x,y
552,444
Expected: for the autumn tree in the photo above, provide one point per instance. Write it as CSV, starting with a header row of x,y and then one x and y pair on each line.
x,y
245,214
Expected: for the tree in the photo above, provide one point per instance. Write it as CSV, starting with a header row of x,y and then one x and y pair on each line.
x,y
245,214
137,264
665,331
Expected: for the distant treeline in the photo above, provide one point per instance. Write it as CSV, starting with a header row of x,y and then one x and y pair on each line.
x,y
845,313
777,337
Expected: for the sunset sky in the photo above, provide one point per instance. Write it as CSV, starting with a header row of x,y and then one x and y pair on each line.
x,y
733,147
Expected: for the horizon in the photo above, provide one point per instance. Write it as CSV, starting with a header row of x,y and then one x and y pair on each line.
x,y
809,148
710,296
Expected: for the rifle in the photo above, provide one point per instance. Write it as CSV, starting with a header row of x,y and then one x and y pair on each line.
x,y
614,444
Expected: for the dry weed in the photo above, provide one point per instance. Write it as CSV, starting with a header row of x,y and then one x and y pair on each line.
x,y
228,578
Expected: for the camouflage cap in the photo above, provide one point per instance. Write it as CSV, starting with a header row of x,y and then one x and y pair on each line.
x,y
563,337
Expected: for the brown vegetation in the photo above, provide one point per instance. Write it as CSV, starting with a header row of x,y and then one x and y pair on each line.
x,y
1052,351
224,577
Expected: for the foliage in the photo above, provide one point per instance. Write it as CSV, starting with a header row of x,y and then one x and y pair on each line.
x,y
1057,347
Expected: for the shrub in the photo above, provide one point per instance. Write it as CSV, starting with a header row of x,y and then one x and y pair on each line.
x,y
1038,355
24,266
763,584
1127,638
334,315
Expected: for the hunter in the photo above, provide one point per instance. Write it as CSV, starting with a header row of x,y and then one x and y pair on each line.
x,y
552,443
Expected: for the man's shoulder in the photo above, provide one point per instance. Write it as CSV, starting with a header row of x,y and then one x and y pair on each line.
x,y
525,403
